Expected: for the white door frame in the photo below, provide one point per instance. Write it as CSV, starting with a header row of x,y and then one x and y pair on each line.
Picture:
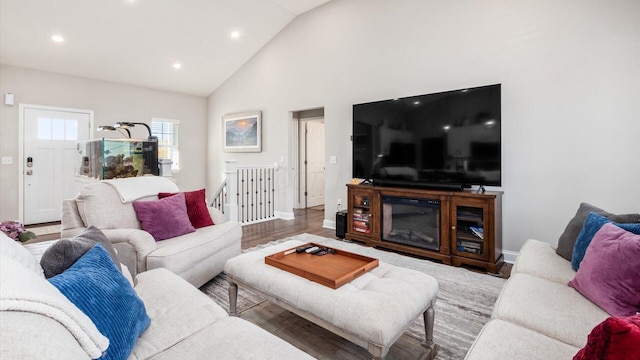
x,y
300,201
22,109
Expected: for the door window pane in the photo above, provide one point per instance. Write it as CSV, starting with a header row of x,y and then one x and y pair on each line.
x,y
71,130
57,129
44,128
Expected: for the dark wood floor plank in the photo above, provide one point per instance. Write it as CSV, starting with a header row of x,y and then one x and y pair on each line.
x,y
306,221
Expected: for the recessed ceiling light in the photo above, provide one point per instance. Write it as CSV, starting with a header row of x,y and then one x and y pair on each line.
x,y
416,103
235,34
57,38
177,66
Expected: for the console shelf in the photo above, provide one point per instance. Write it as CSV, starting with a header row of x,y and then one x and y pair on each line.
x,y
454,227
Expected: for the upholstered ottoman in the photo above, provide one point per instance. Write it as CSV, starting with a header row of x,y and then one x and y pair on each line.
x,y
371,311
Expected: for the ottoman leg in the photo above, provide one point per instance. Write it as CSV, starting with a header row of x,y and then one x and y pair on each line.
x,y
233,299
428,332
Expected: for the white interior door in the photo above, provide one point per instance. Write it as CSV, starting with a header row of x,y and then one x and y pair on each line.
x,y
49,142
315,162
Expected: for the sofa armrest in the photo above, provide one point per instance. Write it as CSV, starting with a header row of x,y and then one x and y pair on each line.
x,y
216,215
133,246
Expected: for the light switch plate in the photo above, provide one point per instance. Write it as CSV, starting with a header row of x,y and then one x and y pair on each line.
x,y
7,160
332,159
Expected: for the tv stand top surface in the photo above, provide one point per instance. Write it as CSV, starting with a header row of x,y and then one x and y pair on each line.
x,y
425,191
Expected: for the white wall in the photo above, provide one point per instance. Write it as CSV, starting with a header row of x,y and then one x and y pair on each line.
x,y
111,102
570,75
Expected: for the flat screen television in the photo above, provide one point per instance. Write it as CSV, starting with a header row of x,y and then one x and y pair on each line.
x,y
447,140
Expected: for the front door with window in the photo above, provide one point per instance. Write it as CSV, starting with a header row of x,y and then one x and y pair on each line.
x,y
49,141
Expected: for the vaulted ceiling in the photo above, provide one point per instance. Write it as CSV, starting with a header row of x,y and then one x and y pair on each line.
x,y
187,46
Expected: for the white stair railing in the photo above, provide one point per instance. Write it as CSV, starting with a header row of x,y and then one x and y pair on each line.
x,y
247,193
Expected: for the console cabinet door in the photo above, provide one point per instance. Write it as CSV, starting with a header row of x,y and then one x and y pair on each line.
x,y
361,219
471,228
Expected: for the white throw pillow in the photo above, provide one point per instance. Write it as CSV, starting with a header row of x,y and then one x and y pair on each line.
x,y
14,250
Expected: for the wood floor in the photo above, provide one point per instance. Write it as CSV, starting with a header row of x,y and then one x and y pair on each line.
x,y
306,221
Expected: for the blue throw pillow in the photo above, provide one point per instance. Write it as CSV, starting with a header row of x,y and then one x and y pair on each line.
x,y
99,289
592,224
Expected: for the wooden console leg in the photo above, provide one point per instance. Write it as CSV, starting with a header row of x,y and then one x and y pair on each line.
x,y
233,299
428,343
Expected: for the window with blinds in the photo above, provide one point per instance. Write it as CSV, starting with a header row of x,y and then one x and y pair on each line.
x,y
167,132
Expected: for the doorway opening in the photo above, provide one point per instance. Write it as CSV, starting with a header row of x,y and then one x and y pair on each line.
x,y
310,159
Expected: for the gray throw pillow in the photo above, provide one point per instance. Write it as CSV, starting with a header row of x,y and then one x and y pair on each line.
x,y
64,252
567,240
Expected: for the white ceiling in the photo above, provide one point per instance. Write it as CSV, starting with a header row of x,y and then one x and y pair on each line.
x,y
138,41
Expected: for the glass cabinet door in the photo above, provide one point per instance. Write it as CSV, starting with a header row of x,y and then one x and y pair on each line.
x,y
469,230
361,214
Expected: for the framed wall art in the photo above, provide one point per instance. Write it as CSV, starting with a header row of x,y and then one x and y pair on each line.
x,y
242,132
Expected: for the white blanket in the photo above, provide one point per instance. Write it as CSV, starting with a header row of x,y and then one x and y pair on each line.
x,y
135,188
23,290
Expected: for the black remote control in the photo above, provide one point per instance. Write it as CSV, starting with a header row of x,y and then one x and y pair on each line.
x,y
302,249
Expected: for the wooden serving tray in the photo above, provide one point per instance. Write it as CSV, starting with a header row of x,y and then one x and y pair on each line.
x,y
332,270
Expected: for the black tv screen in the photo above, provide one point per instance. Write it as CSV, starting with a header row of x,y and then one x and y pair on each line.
x,y
445,139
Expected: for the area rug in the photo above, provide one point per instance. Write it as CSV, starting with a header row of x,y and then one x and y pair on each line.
x,y
465,300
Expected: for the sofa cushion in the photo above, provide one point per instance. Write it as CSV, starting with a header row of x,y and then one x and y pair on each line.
x,y
65,252
550,308
233,338
568,238
164,218
610,272
499,339
99,289
24,291
99,204
177,311
539,259
592,224
196,207
18,253
613,339
180,253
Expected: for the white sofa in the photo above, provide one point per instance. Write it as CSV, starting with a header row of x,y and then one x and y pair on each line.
x,y
197,257
185,323
537,316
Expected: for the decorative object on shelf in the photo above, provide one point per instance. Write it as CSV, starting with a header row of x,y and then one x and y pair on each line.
x,y
16,231
242,132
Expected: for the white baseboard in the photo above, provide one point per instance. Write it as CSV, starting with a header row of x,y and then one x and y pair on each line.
x,y
329,224
284,215
509,256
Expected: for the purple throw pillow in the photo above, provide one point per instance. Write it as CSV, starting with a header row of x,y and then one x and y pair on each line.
x,y
165,218
609,274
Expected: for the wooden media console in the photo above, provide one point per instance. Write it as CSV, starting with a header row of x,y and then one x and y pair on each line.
x,y
454,227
